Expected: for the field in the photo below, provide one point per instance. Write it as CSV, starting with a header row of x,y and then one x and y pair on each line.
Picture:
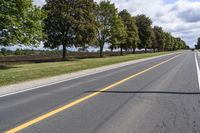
x,y
14,71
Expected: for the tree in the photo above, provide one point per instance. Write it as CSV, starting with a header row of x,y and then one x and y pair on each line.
x,y
180,44
118,34
69,23
175,47
168,43
144,28
105,16
198,44
154,42
132,30
159,38
21,23
173,43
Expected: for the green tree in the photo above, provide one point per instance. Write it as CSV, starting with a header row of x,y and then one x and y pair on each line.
x,y
105,16
154,41
183,45
198,44
180,44
175,47
132,31
118,34
145,31
69,23
168,43
20,23
159,38
173,43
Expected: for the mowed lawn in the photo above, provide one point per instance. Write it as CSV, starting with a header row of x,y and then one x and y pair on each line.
x,y
14,73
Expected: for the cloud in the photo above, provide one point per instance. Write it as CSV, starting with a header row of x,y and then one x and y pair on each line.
x,y
39,2
187,11
180,17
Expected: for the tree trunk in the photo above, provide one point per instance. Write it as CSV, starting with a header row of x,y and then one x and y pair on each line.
x,y
121,50
101,51
154,50
145,50
133,50
64,52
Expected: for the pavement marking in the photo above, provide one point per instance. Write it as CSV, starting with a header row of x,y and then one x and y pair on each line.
x,y
198,71
58,110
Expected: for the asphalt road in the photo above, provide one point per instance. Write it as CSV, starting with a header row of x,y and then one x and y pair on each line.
x,y
155,96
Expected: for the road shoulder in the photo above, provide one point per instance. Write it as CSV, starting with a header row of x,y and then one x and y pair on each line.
x,y
35,84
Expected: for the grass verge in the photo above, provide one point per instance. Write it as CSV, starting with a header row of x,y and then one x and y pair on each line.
x,y
15,73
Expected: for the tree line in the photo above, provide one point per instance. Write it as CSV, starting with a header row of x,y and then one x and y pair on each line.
x,y
81,23
197,46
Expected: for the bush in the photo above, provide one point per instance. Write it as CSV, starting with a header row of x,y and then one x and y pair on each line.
x,y
6,52
18,52
3,51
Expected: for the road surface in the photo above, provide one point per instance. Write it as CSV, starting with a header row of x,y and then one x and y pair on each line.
x,y
155,96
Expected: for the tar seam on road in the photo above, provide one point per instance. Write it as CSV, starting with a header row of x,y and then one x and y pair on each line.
x,y
198,72
80,100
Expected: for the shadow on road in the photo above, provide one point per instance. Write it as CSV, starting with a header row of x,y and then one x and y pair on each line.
x,y
149,92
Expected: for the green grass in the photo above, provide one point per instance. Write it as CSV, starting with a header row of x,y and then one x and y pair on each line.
x,y
15,73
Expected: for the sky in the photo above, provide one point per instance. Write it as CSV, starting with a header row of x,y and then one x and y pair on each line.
x,y
179,17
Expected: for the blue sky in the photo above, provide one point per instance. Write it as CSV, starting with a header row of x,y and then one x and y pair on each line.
x,y
179,17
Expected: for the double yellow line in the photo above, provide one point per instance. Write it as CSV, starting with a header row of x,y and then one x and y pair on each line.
x,y
67,106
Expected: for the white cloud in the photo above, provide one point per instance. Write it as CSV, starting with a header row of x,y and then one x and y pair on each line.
x,y
39,2
181,18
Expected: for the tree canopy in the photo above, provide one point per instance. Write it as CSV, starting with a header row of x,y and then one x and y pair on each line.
x,y
118,34
198,44
80,24
132,38
145,31
20,23
69,23
159,35
106,14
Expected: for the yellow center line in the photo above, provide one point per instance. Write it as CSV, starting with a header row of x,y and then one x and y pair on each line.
x,y
58,110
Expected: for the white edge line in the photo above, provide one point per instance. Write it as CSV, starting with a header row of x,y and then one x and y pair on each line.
x,y
48,84
198,71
